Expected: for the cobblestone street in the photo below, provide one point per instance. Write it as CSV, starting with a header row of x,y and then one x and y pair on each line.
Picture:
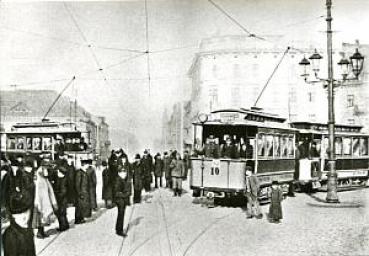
x,y
166,225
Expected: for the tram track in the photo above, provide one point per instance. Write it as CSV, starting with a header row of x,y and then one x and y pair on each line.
x,y
125,238
165,223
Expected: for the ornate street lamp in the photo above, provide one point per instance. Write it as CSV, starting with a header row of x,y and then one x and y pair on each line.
x,y
355,65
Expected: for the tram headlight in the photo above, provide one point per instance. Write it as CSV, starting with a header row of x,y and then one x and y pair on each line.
x,y
202,117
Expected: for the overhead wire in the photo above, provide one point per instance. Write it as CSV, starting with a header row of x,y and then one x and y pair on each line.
x,y
147,47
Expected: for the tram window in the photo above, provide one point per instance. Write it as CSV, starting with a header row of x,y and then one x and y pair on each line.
x,y
364,146
36,143
347,146
20,143
261,144
338,145
355,147
29,143
46,143
284,146
277,149
269,145
11,143
291,147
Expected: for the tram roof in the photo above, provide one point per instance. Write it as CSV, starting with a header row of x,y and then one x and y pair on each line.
x,y
322,128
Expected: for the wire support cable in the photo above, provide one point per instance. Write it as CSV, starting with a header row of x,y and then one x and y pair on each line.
x,y
271,76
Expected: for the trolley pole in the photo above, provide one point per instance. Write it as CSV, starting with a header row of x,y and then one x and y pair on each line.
x,y
332,196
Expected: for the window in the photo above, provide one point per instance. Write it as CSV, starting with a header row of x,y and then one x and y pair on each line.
x,y
291,146
215,71
284,146
20,143
46,144
364,146
350,100
277,149
355,147
213,93
269,145
11,143
261,144
29,143
347,143
36,143
338,145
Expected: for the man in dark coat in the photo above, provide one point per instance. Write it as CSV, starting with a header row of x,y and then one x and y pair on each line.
x,y
60,186
83,202
138,178
18,237
147,166
71,179
186,163
158,170
91,172
228,150
107,187
122,194
167,170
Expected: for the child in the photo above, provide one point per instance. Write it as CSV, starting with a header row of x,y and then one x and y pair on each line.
x,y
275,208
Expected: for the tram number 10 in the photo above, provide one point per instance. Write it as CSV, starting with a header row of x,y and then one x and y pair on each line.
x,y
214,171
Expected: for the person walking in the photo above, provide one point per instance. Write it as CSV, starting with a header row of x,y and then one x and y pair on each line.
x,y
83,202
71,180
177,172
275,208
122,194
138,178
252,191
166,166
158,170
186,163
107,187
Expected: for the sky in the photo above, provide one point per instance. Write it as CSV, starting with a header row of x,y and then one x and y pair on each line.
x,y
44,44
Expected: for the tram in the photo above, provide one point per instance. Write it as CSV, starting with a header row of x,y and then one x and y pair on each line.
x,y
270,152
45,137
351,151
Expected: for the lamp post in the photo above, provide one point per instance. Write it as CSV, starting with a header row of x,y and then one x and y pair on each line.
x,y
356,64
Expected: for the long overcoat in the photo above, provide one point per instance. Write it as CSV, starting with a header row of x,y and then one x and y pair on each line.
x,y
138,175
71,179
177,168
166,167
159,166
275,208
83,193
91,172
147,167
107,187
122,188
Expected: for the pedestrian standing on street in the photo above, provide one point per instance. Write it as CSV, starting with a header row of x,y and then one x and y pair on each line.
x,y
83,202
60,186
147,166
122,194
138,178
91,172
275,208
158,170
71,179
177,172
167,171
252,191
107,188
186,163
17,239
45,204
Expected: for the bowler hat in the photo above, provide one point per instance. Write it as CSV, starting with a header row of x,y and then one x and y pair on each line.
x,y
275,182
137,156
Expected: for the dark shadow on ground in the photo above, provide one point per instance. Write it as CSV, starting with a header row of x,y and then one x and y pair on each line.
x,y
321,203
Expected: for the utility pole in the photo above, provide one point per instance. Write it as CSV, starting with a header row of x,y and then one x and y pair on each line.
x,y
332,196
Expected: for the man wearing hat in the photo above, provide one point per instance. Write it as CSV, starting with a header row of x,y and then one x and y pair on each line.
x,y
147,165
19,194
158,170
167,170
138,178
91,172
60,186
83,203
122,189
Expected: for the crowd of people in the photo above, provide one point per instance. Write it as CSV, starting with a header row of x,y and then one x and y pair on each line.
x,y
36,190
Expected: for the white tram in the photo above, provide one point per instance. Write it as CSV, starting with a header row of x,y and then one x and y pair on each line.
x,y
270,151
